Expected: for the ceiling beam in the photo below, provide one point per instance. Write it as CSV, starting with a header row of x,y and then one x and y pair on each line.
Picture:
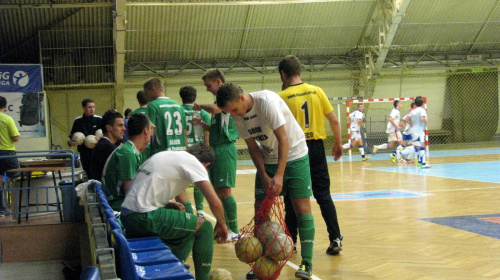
x,y
387,36
239,3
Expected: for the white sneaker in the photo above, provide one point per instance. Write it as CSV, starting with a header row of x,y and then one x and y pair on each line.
x,y
425,165
374,150
232,236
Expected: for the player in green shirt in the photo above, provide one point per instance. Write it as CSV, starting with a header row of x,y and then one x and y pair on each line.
x,y
223,134
168,117
123,163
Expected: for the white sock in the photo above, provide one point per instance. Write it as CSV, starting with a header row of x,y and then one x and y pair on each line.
x,y
346,146
382,146
362,151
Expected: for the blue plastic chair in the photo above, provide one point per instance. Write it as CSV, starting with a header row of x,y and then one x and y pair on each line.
x,y
129,270
140,244
90,273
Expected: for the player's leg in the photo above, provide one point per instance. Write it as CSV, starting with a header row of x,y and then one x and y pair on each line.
x,y
297,182
223,177
290,219
198,201
361,148
320,181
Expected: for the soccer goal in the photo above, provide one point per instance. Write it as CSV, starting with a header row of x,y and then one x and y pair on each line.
x,y
376,117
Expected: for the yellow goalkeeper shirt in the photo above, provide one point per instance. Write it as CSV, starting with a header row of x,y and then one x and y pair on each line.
x,y
309,105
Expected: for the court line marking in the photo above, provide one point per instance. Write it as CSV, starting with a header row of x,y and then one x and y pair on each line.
x,y
289,263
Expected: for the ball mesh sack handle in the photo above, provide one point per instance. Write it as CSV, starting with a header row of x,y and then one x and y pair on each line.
x,y
268,226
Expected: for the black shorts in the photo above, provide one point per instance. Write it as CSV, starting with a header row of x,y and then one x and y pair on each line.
x,y
9,163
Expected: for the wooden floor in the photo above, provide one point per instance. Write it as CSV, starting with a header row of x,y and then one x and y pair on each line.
x,y
387,238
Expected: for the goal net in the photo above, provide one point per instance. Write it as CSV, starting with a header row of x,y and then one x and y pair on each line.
x,y
376,113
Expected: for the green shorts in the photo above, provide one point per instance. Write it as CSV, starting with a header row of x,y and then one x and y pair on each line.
x,y
175,228
223,172
296,180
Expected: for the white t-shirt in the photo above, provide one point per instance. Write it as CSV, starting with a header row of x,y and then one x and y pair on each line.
x,y
396,116
161,178
417,126
268,113
407,130
355,116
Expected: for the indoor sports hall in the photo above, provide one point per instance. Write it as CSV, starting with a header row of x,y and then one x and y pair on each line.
x,y
399,221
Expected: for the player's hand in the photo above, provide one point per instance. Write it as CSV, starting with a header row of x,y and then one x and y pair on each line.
x,y
72,143
220,233
337,152
277,186
175,205
197,106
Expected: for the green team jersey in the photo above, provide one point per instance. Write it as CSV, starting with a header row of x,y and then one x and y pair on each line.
x,y
121,165
205,116
222,129
170,120
140,110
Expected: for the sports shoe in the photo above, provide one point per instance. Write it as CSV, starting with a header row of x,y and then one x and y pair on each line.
x,y
425,165
374,150
250,275
419,164
335,246
231,236
304,271
200,214
393,158
366,158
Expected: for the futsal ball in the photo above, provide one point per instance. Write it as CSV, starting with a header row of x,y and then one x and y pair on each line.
x,y
265,267
90,141
248,249
220,274
78,137
281,248
98,133
268,231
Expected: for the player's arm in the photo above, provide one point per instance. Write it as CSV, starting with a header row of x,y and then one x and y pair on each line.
x,y
73,130
211,108
216,207
258,161
407,119
423,119
391,120
360,122
283,148
335,128
126,184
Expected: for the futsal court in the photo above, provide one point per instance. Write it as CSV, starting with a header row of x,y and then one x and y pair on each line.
x,y
398,221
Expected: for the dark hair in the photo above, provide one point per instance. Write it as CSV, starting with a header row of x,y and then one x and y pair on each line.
x,y
141,97
136,124
290,65
419,101
3,102
188,94
213,74
87,101
153,83
412,104
109,119
127,112
395,103
202,152
228,93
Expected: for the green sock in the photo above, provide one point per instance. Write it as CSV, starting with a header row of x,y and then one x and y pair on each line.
x,y
231,215
203,250
198,199
306,233
189,207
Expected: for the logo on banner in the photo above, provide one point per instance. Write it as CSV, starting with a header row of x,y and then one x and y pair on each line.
x,y
21,78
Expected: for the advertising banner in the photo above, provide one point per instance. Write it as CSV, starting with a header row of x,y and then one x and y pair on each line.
x,y
22,86
20,78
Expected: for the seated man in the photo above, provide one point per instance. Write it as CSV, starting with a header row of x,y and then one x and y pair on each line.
x,y
122,164
113,128
148,209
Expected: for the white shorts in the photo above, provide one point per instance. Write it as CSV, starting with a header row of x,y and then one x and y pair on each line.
x,y
418,139
355,135
394,136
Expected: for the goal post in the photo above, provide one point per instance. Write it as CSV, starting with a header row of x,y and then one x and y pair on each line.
x,y
376,113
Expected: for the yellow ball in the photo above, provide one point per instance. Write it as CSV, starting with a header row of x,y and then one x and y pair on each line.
x,y
280,248
220,274
248,249
265,267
